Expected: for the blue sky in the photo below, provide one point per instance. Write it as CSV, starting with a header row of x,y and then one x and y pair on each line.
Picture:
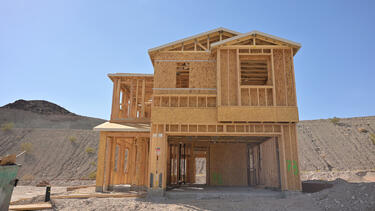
x,y
61,51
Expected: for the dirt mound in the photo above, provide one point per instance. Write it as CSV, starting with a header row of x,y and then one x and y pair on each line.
x,y
39,107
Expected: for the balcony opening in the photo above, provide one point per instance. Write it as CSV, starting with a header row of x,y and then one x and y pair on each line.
x,y
182,75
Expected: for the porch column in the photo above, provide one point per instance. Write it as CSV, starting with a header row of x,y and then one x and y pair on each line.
x,y
100,164
158,161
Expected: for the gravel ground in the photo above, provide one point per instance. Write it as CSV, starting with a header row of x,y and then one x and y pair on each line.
x,y
342,196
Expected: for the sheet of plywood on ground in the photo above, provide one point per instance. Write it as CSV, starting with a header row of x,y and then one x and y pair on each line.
x,y
101,160
98,195
202,74
269,162
39,206
280,80
228,164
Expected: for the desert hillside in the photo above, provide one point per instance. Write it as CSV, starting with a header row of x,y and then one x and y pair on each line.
x,y
337,144
61,145
44,114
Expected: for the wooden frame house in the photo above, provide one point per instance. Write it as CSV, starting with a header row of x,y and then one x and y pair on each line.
x,y
219,110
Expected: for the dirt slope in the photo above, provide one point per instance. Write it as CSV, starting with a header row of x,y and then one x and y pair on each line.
x,y
345,145
52,153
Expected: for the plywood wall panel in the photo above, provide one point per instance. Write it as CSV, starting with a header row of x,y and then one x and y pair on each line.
x,y
165,74
228,164
291,95
224,77
233,77
280,81
295,163
202,75
269,164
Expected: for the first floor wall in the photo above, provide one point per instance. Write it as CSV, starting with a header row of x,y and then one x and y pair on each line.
x,y
147,156
233,156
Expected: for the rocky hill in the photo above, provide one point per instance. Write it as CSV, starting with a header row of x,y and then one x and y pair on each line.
x,y
39,107
44,114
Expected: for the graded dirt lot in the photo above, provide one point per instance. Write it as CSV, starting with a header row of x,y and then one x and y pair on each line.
x,y
341,196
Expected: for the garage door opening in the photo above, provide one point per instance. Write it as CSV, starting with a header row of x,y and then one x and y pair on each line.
x,y
223,161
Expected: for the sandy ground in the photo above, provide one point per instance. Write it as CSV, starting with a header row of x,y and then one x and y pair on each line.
x,y
342,196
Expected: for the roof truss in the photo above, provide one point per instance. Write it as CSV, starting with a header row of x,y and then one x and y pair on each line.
x,y
199,42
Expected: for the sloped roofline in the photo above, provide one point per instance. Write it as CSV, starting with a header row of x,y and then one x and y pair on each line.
x,y
254,32
193,37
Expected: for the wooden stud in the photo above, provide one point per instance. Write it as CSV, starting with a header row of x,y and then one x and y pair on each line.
x,y
143,97
238,78
273,80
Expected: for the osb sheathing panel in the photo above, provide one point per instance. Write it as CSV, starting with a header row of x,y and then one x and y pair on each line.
x,y
280,81
259,113
269,172
291,96
228,164
185,115
202,75
284,78
233,77
229,77
158,166
224,77
165,75
291,157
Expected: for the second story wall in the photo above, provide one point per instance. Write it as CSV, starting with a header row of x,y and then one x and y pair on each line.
x,y
198,70
255,77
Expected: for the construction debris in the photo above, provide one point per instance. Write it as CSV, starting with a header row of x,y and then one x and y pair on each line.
x,y
39,206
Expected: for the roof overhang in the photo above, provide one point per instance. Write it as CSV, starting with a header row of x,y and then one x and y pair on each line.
x,y
130,75
127,127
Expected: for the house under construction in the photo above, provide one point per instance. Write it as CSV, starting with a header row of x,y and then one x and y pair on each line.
x,y
219,110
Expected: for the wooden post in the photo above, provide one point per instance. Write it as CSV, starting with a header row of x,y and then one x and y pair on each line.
x,y
100,165
115,101
238,78
273,80
143,97
218,76
107,167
